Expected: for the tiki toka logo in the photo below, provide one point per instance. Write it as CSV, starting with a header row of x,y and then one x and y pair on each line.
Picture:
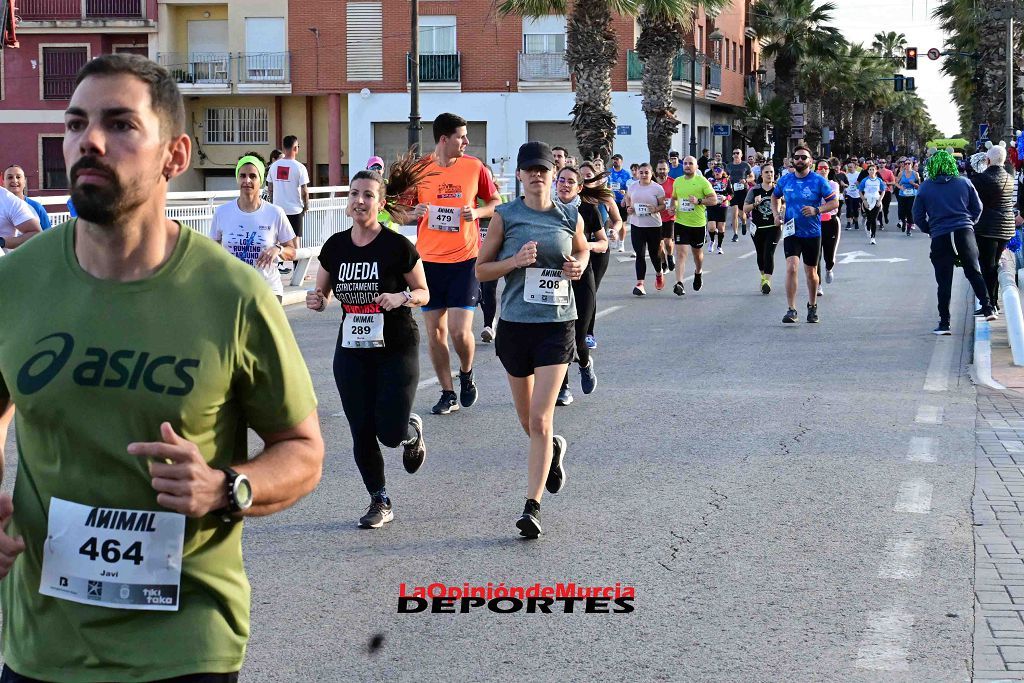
x,y
41,368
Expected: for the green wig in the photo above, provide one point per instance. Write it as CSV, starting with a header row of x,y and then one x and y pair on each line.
x,y
942,163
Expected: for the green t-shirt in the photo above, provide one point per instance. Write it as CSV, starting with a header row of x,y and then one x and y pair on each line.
x,y
93,365
683,188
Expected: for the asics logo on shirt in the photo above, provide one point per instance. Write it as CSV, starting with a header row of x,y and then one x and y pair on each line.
x,y
123,368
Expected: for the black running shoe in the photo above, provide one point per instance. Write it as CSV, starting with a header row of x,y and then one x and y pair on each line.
x,y
942,329
415,451
698,281
678,289
671,263
735,238
446,404
377,514
467,388
812,313
556,475
529,522
564,397
791,316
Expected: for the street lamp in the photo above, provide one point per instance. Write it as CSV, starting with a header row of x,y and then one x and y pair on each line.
x,y
716,37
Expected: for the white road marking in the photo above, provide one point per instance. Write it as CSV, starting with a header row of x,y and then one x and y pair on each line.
x,y
624,259
747,255
937,378
855,257
929,415
602,313
902,560
914,496
884,645
341,414
920,449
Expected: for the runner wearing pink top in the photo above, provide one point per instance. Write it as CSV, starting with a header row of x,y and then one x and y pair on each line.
x,y
829,233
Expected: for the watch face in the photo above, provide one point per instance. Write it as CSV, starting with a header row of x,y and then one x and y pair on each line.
x,y
243,492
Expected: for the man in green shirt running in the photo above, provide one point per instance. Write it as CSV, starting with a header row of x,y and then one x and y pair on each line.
x,y
691,195
121,552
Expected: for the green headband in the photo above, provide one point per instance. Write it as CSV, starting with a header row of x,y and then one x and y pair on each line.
x,y
261,170
942,163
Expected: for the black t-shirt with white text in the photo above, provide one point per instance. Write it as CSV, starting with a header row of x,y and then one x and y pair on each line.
x,y
360,274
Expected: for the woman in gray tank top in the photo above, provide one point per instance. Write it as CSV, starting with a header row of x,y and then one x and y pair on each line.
x,y
538,246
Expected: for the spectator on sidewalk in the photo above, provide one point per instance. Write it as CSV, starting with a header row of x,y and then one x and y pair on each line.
x,y
995,227
14,181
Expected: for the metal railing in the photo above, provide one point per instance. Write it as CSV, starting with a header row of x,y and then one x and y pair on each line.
x,y
543,66
58,87
197,67
264,67
50,10
437,68
680,67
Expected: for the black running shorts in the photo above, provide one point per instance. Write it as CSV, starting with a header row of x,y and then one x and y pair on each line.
x,y
667,230
807,248
524,347
716,214
687,235
295,220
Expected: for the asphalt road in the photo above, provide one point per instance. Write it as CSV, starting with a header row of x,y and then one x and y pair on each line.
x,y
744,476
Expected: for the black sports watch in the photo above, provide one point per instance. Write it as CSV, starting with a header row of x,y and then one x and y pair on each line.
x,y
239,491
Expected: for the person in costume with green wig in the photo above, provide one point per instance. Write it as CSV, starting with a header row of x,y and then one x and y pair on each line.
x,y
946,207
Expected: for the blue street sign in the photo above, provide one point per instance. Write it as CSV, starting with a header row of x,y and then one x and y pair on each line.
x,y
722,130
624,130
983,131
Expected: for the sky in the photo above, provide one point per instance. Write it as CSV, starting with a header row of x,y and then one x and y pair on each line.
x,y
860,20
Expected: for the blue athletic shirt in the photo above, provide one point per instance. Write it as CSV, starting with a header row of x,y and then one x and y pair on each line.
x,y
811,190
618,180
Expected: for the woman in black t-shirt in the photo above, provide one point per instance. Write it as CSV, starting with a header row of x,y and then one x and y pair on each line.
x,y
378,277
766,233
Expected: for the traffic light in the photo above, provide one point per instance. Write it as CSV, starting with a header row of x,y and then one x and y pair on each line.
x,y
897,82
911,58
908,83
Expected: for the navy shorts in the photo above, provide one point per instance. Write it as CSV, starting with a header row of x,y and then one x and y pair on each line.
x,y
451,285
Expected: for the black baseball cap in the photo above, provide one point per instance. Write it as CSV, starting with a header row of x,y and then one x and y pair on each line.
x,y
616,156
535,154
673,153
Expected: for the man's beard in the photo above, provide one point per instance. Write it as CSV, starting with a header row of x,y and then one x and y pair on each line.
x,y
102,205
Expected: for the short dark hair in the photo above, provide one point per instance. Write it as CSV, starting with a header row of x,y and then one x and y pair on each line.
x,y
556,148
289,141
446,124
705,150
165,98
805,148
632,166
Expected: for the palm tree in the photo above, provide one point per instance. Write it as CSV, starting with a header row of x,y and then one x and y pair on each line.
x,y
796,31
591,52
663,28
890,44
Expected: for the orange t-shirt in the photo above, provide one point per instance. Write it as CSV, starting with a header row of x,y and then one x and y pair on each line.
x,y
442,236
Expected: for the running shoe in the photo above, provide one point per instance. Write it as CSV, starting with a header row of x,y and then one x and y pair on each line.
x,y
556,475
284,270
791,316
942,329
848,227
981,311
446,404
989,314
564,397
378,513
766,286
414,450
873,241
467,388
622,247
828,277
711,247
639,290
678,289
744,230
736,238
698,279
588,378
659,282
821,292
720,250
671,263
591,342
529,522
812,313
487,335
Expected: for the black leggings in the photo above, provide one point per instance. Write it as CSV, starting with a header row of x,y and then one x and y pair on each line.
x,y
599,265
886,201
944,250
584,291
9,676
829,243
377,387
651,239
489,301
989,251
765,241
872,215
906,209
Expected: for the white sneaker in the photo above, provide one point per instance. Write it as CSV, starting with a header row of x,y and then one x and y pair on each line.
x,y
622,249
821,292
873,241
828,277
487,335
720,250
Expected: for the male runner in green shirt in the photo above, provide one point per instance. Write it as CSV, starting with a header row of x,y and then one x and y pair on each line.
x,y
121,551
691,195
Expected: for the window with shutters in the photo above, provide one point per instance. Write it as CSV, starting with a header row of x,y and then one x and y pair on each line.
x,y
54,173
237,126
60,66
363,43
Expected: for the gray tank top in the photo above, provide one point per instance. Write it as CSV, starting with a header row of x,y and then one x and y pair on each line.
x,y
553,232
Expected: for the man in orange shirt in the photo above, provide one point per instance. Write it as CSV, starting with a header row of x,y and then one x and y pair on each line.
x,y
448,241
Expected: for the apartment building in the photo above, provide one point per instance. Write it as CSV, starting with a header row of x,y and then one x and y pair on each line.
x,y
56,37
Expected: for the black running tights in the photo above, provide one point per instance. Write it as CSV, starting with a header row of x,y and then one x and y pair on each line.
x,y
584,291
489,301
886,202
829,243
944,250
989,251
598,264
765,241
377,388
649,238
872,215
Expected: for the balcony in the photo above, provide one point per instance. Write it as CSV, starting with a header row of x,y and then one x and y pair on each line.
x,y
680,68
77,10
437,68
543,66
226,72
264,72
714,77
